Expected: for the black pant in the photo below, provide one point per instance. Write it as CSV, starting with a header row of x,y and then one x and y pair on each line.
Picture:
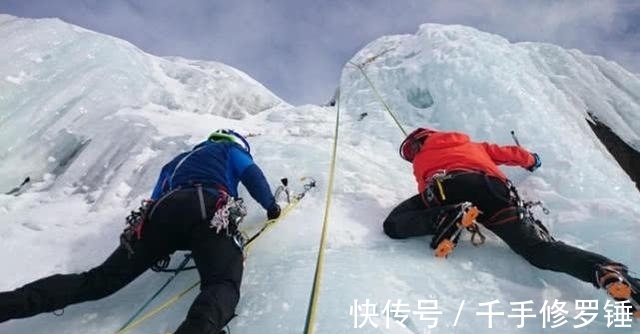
x,y
176,223
416,216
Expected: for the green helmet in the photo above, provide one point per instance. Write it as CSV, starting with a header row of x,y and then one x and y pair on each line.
x,y
232,136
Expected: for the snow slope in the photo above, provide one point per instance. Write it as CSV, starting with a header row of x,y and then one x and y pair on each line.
x,y
63,86
92,119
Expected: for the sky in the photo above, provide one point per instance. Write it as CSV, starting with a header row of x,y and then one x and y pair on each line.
x,y
117,137
297,48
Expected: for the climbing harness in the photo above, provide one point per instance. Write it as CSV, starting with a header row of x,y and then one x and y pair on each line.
x,y
525,211
130,325
135,221
228,217
435,183
525,207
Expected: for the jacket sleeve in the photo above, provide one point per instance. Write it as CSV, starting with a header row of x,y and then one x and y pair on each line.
x,y
509,155
258,187
253,179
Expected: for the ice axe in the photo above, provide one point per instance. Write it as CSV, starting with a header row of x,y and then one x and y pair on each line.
x,y
513,135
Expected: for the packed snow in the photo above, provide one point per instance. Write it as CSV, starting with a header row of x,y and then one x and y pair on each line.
x,y
91,119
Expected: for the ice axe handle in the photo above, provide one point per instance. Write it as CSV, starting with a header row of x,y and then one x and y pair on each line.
x,y
513,135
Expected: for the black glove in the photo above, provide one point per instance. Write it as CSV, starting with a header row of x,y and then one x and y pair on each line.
x,y
536,163
273,212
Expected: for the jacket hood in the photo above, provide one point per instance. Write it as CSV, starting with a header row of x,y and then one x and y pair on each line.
x,y
438,140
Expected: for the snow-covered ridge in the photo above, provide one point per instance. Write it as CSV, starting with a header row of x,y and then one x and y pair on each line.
x,y
66,90
438,60
458,78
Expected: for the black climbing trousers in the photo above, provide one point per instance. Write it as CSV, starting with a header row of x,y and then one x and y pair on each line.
x,y
175,223
416,216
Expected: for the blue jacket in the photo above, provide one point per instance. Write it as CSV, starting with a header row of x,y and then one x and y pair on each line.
x,y
215,165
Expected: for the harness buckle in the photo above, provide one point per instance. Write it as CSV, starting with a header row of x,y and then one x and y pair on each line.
x,y
436,180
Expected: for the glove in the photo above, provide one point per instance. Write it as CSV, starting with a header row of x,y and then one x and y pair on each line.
x,y
536,164
274,212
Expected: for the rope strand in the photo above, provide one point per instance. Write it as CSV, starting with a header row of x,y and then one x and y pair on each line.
x,y
379,96
315,291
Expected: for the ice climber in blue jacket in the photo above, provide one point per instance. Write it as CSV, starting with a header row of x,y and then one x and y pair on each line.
x,y
194,207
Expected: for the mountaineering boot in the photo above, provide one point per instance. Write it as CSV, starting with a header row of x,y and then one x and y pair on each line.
x,y
610,278
450,225
615,279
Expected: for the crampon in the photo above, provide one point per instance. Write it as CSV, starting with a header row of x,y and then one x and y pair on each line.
x,y
616,280
450,225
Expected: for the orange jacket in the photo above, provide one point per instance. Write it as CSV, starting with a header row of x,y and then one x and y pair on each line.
x,y
454,151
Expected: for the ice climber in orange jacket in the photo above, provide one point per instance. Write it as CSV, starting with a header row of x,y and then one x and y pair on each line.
x,y
459,184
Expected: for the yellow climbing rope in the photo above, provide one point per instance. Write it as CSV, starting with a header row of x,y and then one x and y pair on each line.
x,y
315,291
